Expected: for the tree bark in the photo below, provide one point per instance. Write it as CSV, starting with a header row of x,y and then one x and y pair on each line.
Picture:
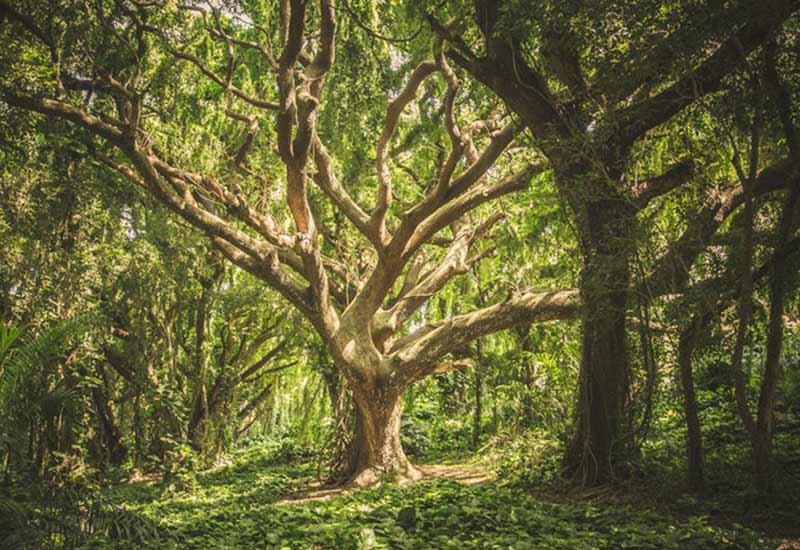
x,y
688,343
599,451
375,450
762,437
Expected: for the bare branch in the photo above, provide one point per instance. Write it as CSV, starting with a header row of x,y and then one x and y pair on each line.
x,y
647,190
384,199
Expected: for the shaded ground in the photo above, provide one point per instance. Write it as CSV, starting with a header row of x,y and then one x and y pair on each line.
x,y
254,503
467,474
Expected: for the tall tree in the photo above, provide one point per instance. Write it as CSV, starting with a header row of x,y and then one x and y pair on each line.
x,y
591,83
106,75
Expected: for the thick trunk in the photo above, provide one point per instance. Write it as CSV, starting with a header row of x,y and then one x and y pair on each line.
x,y
375,450
600,450
688,343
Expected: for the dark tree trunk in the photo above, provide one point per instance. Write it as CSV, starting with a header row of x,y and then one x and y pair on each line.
x,y
138,431
111,434
779,279
476,419
688,343
762,437
600,450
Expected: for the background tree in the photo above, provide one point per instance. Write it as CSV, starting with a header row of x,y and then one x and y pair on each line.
x,y
595,90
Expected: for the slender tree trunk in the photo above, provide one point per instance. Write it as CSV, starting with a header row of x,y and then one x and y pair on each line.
x,y
476,419
111,434
375,449
523,333
762,437
600,450
199,418
745,303
694,448
138,431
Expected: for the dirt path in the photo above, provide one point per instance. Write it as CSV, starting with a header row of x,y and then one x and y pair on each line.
x,y
468,474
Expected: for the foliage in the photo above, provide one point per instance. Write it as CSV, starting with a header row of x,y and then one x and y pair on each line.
x,y
179,351
240,505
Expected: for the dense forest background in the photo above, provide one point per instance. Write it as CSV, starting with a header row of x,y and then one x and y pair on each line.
x,y
399,274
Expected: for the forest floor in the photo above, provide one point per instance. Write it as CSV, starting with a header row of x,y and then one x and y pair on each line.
x,y
253,502
468,474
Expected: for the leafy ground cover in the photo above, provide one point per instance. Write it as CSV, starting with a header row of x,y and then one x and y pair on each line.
x,y
247,504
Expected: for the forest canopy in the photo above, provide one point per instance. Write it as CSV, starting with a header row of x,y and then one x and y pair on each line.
x,y
355,238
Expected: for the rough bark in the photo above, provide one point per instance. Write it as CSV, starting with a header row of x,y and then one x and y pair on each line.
x,y
376,450
599,450
342,462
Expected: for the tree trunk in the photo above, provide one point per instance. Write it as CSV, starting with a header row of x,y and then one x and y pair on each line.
x,y
111,434
762,437
198,421
138,431
694,448
478,414
375,450
340,463
600,450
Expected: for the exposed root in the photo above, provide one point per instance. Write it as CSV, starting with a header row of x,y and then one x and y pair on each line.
x,y
403,474
462,473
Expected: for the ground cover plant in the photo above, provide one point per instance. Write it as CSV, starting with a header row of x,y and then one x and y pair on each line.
x,y
255,503
499,273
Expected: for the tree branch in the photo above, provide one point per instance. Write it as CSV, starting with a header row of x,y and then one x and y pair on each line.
x,y
649,189
421,350
637,119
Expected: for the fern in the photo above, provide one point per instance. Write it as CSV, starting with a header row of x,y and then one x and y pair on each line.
x,y
32,392
8,335
21,361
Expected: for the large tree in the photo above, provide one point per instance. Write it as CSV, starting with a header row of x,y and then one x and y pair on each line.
x,y
591,83
106,68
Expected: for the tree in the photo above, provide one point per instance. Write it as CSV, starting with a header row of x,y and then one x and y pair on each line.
x,y
591,84
110,76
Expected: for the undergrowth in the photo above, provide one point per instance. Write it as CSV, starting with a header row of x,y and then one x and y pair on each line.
x,y
242,504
